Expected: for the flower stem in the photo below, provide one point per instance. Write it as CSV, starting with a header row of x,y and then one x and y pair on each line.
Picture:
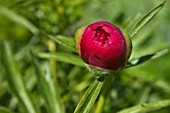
x,y
53,65
104,93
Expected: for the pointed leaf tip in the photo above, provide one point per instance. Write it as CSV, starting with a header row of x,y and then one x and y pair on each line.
x,y
146,18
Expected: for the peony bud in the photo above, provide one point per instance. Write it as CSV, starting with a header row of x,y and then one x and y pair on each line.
x,y
103,45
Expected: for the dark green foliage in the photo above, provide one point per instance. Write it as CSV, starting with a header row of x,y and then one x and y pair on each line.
x,y
40,70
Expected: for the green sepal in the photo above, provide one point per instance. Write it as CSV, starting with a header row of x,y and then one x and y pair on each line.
x,y
100,71
78,37
128,44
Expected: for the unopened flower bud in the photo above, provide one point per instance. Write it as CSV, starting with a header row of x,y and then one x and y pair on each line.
x,y
103,45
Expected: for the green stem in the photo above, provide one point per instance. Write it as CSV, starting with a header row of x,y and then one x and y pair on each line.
x,y
53,65
104,93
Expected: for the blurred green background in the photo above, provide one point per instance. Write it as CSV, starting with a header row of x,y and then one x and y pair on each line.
x,y
145,83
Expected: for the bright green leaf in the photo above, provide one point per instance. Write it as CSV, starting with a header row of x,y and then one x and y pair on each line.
x,y
146,18
142,59
48,88
64,41
129,23
15,80
63,57
69,40
18,19
145,108
88,99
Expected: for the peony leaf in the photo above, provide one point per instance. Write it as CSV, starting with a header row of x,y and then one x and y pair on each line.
x,y
88,99
146,18
64,41
142,59
15,81
145,108
63,57
5,110
69,40
49,90
129,23
9,14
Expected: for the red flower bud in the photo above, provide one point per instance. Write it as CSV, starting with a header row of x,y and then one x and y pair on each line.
x,y
103,45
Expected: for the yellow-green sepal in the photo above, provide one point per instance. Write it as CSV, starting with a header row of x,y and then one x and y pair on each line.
x,y
78,37
128,44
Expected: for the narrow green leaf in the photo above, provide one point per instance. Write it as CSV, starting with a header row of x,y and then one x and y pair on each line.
x,y
88,99
63,57
48,88
15,80
144,96
30,83
104,93
129,24
3,88
24,51
146,18
69,40
138,61
163,84
18,19
5,110
145,108
68,43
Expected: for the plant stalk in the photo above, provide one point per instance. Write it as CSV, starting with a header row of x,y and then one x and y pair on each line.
x,y
53,66
104,93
